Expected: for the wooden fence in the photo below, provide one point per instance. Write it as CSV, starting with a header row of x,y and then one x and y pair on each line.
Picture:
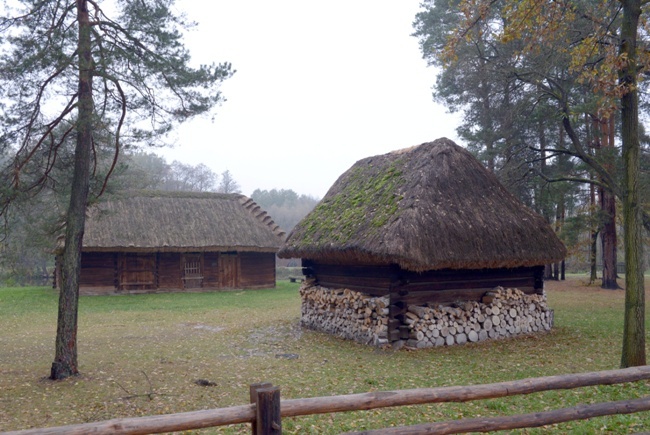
x,y
266,410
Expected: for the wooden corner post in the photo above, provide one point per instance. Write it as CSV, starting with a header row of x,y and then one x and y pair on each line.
x,y
266,398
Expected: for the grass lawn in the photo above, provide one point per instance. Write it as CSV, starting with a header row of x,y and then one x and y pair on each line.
x,y
142,355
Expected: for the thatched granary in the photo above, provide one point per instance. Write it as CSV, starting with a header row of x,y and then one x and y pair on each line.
x,y
176,241
423,225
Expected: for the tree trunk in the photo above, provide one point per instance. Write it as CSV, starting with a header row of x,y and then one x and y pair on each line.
x,y
593,257
548,272
634,324
593,250
608,239
65,360
560,215
608,206
594,226
542,200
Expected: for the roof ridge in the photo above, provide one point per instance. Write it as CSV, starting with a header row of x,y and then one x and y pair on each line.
x,y
261,215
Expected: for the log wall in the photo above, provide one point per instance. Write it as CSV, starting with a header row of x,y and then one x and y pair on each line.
x,y
435,286
257,269
98,273
137,272
113,272
211,278
170,270
372,280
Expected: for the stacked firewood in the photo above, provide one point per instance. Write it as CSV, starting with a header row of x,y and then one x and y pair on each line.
x,y
365,319
345,313
502,313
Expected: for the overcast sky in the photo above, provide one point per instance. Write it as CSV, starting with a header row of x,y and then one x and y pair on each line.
x,y
319,85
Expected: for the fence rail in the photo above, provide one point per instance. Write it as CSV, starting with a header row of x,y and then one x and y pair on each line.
x,y
266,409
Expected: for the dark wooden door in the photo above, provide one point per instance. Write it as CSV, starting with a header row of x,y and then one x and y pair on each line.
x,y
229,270
137,272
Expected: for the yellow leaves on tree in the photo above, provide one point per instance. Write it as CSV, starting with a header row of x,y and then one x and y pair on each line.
x,y
582,35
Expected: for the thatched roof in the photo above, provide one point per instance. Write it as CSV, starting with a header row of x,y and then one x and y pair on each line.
x,y
180,221
433,206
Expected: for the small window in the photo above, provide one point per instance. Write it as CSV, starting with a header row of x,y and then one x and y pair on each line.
x,y
192,276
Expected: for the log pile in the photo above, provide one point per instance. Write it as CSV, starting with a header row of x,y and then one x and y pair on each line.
x,y
345,313
363,318
502,313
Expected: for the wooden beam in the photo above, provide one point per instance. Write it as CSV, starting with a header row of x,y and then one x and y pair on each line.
x,y
536,419
153,424
420,396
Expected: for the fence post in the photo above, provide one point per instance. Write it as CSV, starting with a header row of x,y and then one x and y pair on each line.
x,y
267,412
253,399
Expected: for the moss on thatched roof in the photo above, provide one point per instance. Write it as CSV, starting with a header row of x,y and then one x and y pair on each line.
x,y
180,221
433,206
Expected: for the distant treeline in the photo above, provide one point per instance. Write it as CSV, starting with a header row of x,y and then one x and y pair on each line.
x,y
286,207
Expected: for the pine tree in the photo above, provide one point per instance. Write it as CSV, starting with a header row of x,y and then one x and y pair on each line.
x,y
72,70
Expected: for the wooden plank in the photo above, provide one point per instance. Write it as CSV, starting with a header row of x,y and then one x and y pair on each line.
x,y
506,280
211,270
375,280
156,272
421,396
153,424
536,419
446,296
137,270
389,272
96,277
466,274
369,286
257,269
229,270
491,283
373,291
97,269
169,273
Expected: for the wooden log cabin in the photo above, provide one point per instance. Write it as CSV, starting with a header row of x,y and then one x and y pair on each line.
x,y
423,225
177,241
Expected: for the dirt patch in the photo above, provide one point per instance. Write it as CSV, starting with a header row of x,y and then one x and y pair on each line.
x,y
203,326
276,334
